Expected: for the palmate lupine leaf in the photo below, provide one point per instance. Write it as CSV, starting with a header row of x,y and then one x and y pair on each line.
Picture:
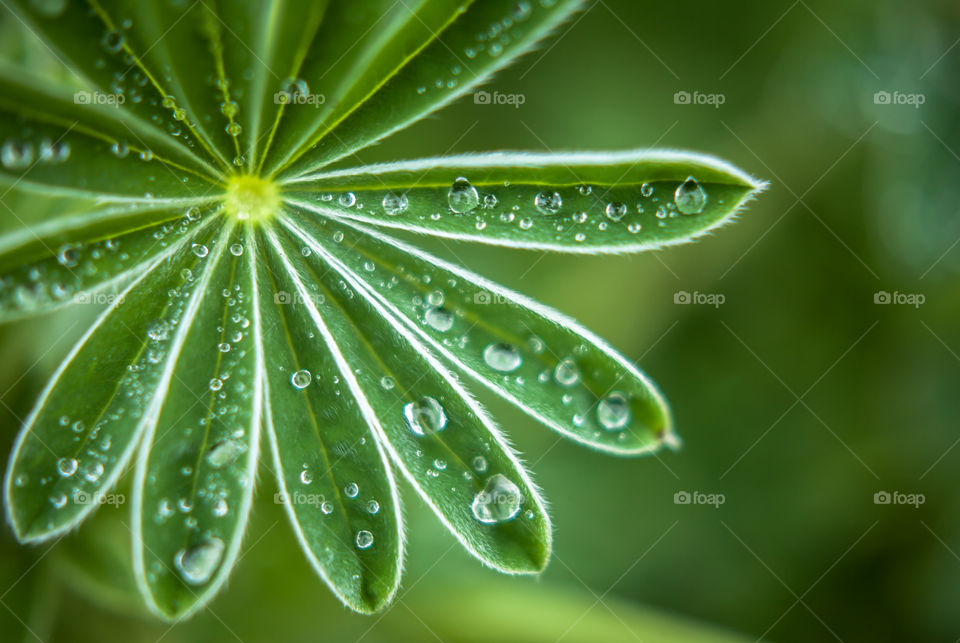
x,y
257,302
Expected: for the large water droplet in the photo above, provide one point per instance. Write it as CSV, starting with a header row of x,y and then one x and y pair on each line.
x,y
16,155
394,204
498,502
425,416
224,452
364,539
548,202
301,379
567,373
616,210
613,411
463,197
439,319
198,563
66,467
690,197
502,357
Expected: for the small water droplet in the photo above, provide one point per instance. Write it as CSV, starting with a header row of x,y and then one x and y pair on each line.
x,y
113,41
306,477
236,249
646,190
16,155
347,199
220,508
200,250
373,507
351,490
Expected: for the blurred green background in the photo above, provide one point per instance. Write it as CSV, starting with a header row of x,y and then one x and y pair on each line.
x,y
798,399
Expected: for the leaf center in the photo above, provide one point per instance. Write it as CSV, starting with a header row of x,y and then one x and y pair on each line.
x,y
251,198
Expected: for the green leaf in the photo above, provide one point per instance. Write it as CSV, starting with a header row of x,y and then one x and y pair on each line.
x,y
268,41
328,460
538,359
578,202
436,433
359,47
52,143
73,258
80,436
483,39
114,51
196,467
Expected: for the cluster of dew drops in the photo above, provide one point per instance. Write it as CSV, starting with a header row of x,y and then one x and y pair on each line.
x,y
463,198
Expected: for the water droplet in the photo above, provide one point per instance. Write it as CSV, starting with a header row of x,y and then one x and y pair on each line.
x,y
58,500
373,507
646,189
351,490
236,249
301,379
68,256
364,539
326,508
387,382
502,357
113,41
66,467
233,129
216,384
198,563
93,471
347,199
479,464
50,152
224,452
120,149
498,502
220,508
306,477
585,189
613,411
526,223
690,197
566,372
21,480
200,250
616,210
394,204
439,319
229,108
490,201
548,202
463,197
425,416
16,155
158,330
